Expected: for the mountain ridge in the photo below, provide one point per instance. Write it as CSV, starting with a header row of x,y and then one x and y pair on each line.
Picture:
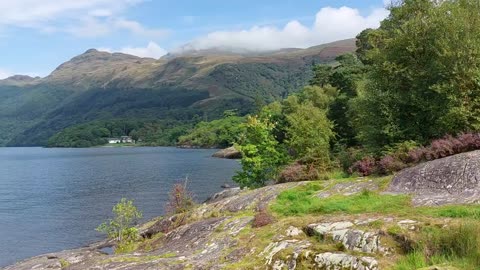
x,y
100,85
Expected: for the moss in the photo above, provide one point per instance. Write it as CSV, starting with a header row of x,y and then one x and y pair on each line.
x,y
64,263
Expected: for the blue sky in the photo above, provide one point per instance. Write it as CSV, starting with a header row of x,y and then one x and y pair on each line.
x,y
38,35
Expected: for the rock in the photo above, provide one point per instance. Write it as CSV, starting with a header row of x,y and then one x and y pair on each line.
x,y
275,247
250,199
352,239
229,153
450,180
293,231
323,228
226,186
223,194
338,261
54,261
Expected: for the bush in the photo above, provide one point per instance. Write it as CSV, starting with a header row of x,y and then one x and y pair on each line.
x,y
390,164
408,154
346,157
298,172
262,218
121,227
180,202
180,199
365,166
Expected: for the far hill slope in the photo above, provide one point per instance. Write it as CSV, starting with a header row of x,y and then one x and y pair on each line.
x,y
99,85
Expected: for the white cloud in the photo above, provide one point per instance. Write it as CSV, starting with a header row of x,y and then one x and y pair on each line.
x,y
152,50
330,24
4,74
78,17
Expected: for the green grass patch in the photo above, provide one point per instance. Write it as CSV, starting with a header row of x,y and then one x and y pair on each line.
x,y
454,246
303,201
452,211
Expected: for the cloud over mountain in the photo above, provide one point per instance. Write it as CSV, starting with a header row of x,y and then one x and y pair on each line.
x,y
152,50
330,24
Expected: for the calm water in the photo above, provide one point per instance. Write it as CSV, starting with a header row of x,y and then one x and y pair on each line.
x,y
53,199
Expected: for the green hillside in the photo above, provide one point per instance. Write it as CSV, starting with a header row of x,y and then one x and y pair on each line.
x,y
102,86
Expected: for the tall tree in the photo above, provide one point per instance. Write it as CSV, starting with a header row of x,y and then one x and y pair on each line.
x,y
424,74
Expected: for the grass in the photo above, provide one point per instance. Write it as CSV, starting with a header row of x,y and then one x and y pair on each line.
x,y
456,246
302,201
452,211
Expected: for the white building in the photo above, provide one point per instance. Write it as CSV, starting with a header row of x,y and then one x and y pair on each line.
x,y
122,139
113,140
126,139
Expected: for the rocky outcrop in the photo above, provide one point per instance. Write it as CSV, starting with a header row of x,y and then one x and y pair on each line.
x,y
450,180
334,261
229,153
229,192
220,234
350,238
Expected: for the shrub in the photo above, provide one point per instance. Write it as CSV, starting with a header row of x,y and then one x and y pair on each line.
x,y
346,157
121,227
389,164
180,202
406,154
365,166
262,218
180,199
298,172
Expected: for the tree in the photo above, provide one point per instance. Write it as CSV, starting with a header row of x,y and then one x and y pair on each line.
x,y
424,65
121,227
309,133
321,75
340,83
261,153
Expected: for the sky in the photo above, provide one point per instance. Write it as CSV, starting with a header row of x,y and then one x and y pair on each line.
x,y
38,35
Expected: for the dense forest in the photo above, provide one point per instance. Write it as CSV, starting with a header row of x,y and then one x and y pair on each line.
x,y
409,93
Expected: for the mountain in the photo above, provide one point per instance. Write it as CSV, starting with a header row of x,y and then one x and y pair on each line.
x,y
99,85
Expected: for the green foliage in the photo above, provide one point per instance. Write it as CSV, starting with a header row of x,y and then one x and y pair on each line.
x,y
321,75
345,77
309,133
298,124
153,133
219,133
261,154
121,227
423,74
